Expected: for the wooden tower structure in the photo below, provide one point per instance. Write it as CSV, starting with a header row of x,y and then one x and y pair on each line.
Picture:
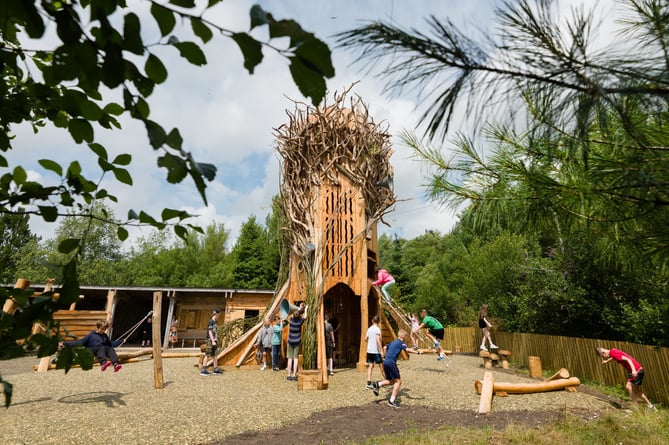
x,y
336,187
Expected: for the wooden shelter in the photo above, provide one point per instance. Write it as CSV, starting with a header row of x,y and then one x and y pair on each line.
x,y
336,187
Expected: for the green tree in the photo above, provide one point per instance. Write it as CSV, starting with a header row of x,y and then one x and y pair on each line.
x,y
251,269
592,143
99,46
14,233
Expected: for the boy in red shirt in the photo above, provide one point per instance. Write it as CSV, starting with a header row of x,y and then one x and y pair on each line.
x,y
634,369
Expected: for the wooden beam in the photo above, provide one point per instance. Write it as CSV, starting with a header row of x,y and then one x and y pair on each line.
x,y
485,404
155,340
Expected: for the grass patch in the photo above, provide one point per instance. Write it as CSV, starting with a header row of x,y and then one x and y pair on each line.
x,y
639,426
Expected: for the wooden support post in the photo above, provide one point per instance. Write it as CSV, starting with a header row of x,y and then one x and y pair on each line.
x,y
155,340
485,355
485,405
534,365
494,358
10,305
504,354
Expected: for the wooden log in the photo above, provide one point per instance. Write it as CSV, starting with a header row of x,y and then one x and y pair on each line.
x,y
534,365
485,404
494,359
561,374
529,388
158,381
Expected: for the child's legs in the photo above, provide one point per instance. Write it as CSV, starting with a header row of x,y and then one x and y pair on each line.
x,y
111,353
396,388
631,391
276,355
384,289
383,374
486,335
100,354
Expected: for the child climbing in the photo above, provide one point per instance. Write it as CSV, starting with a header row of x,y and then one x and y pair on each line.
x,y
385,280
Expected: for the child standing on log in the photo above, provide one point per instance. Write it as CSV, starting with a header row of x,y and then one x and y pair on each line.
x,y
100,345
390,369
485,326
435,330
634,369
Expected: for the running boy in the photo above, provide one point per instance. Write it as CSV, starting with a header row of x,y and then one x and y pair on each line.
x,y
390,369
634,369
435,330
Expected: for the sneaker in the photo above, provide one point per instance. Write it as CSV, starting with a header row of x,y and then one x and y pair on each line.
x,y
493,347
415,347
275,369
205,373
117,367
289,378
217,371
331,372
441,357
263,367
483,348
375,388
105,365
393,404
369,386
652,408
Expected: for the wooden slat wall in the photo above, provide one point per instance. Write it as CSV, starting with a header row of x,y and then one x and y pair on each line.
x,y
578,355
78,323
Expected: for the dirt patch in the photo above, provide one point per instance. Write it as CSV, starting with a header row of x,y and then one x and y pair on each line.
x,y
356,423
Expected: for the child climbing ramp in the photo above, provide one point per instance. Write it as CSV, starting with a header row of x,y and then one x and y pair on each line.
x,y
385,280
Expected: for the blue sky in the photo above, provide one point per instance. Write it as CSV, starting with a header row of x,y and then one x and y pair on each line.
x,y
227,117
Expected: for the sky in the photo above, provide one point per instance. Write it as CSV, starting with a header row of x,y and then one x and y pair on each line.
x,y
227,117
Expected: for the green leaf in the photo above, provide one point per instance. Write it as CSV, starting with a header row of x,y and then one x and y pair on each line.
x,y
122,233
259,17
168,214
122,159
288,28
69,245
164,18
49,213
114,109
310,83
201,30
132,39
155,69
316,55
99,150
81,130
176,168
19,175
122,175
145,218
174,139
183,3
207,170
90,110
105,165
156,133
251,50
191,52
132,215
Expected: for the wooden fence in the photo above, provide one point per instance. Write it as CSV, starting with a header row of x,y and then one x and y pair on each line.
x,y
578,355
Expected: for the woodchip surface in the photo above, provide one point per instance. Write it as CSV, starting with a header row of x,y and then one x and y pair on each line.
x,y
125,408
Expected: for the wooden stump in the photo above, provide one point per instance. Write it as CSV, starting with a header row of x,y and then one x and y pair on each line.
x,y
494,358
561,374
310,379
485,355
534,365
504,354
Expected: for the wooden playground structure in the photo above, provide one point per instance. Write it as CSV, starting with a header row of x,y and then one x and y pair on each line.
x,y
336,187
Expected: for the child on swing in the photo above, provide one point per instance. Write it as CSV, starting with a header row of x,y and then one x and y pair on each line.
x,y
100,345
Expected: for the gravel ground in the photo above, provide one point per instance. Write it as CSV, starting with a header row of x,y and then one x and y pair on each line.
x,y
124,408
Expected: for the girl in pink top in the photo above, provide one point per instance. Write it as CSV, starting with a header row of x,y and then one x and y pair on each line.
x,y
634,369
385,280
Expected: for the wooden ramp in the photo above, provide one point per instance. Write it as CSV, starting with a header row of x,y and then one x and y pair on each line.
x,y
240,352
